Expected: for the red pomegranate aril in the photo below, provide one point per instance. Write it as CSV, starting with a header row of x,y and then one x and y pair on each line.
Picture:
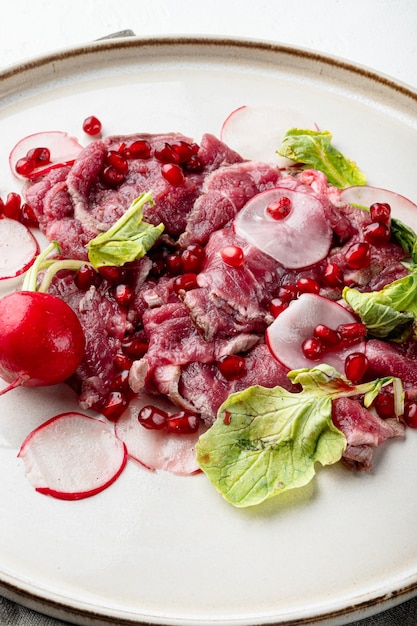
x,y
134,347
92,125
410,414
232,366
41,155
351,333
191,262
185,282
114,405
197,250
377,233
280,209
123,294
111,177
165,154
193,164
333,275
114,274
182,423
182,151
380,212
358,255
140,149
307,285
158,268
152,417
277,306
27,216
384,404
86,277
356,365
233,256
173,174
312,348
122,362
25,166
117,161
287,293
120,382
327,336
11,207
174,264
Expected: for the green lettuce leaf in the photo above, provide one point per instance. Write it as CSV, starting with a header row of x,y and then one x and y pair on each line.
x,y
128,239
389,313
405,236
267,441
314,149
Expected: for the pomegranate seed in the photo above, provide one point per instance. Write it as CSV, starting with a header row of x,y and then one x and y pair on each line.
x,y
384,404
152,417
174,264
140,149
135,347
312,348
307,285
333,275
25,166
27,216
233,256
197,250
377,233
280,209
40,156
122,362
158,268
185,282
287,293
11,208
193,164
350,333
277,306
380,212
182,423
165,154
114,405
117,161
327,336
111,177
92,125
114,274
173,174
410,414
120,382
191,262
358,255
123,294
232,366
182,151
356,365
86,277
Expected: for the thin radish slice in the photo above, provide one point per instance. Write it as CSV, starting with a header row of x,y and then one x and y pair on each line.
x,y
63,148
300,239
18,248
72,456
256,131
156,449
296,323
401,207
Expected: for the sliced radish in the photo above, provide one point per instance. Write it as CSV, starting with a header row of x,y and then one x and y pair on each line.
x,y
156,449
300,239
296,323
401,207
63,148
18,248
256,131
72,456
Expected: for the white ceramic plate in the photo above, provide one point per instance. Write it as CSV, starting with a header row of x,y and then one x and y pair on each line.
x,y
160,549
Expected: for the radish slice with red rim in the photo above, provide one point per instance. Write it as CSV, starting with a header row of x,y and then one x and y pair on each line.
x,y
365,195
156,449
300,239
256,131
18,248
63,151
297,322
73,456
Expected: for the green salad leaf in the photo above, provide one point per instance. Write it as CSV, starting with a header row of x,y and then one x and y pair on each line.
x,y
389,313
267,441
315,149
128,239
405,236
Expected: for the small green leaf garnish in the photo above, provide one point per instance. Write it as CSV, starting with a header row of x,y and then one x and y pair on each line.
x,y
314,149
128,239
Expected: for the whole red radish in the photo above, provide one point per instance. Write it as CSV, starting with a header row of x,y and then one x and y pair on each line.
x,y
41,339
